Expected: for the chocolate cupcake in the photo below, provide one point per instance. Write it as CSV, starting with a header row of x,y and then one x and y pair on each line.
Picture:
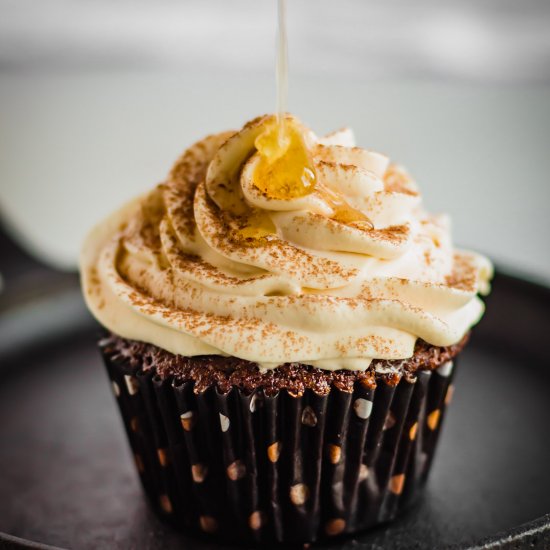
x,y
283,330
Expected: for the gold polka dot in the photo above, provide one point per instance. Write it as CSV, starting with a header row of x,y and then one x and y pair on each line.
x,y
198,472
363,472
165,504
413,431
433,419
335,526
299,494
390,421
256,520
134,424
116,389
236,470
449,395
208,524
334,453
274,451
187,420
163,457
131,384
139,463
397,483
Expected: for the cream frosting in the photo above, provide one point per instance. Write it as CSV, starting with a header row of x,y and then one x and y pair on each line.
x,y
178,268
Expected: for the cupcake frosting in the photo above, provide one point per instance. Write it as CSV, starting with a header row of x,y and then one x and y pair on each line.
x,y
210,263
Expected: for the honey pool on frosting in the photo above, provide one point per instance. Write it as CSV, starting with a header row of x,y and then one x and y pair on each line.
x,y
286,171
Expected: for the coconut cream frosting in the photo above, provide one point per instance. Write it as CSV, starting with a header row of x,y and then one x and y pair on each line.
x,y
209,263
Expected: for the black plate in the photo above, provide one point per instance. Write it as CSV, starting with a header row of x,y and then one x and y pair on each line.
x,y
67,478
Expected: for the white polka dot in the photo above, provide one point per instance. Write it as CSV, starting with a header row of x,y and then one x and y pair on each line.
x,y
224,422
445,369
254,403
362,408
116,389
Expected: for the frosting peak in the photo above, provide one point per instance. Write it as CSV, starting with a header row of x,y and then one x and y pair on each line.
x,y
329,261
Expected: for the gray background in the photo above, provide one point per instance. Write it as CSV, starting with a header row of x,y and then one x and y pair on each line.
x,y
98,98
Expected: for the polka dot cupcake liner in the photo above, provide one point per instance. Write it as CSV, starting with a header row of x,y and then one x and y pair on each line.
x,y
259,468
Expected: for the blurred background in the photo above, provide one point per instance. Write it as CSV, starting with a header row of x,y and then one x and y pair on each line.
x,y
98,98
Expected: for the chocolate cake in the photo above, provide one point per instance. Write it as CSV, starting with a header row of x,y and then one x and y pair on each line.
x,y
224,373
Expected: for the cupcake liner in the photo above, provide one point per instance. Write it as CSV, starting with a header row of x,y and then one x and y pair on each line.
x,y
280,468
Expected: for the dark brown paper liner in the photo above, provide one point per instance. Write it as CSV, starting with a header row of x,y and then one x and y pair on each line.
x,y
257,468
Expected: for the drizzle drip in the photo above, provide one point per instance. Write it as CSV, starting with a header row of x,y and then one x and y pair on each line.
x,y
343,212
256,225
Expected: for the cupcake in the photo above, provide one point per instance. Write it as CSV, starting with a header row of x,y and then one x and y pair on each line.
x,y
282,326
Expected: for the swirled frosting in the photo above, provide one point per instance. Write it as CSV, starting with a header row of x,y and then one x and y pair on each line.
x,y
208,263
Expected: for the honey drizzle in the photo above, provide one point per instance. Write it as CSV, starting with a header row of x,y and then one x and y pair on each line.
x,y
281,75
